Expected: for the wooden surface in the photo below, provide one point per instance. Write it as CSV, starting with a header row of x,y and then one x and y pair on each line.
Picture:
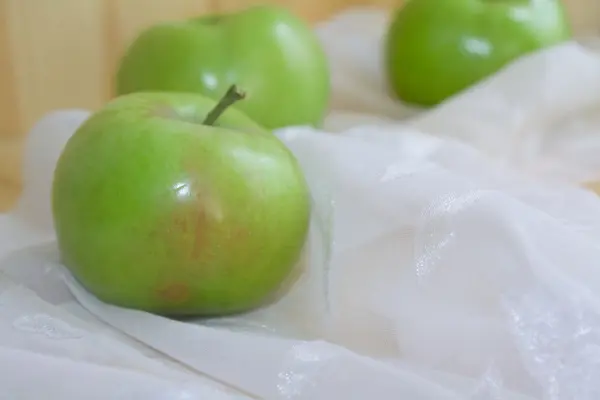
x,y
63,53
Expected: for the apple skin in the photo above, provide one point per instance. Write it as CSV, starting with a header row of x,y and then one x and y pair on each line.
x,y
155,211
266,50
435,49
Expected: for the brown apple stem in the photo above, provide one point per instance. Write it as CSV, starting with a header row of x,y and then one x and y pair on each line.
x,y
233,95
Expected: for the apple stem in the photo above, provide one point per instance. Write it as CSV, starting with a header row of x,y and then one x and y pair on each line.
x,y
233,95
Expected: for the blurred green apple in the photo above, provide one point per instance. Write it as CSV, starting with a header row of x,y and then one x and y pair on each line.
x,y
267,50
435,49
163,205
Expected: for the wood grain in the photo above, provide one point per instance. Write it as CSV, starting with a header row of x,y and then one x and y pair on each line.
x,y
9,96
10,167
63,53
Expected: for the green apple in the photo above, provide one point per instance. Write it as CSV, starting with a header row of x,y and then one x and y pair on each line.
x,y
435,49
162,205
267,50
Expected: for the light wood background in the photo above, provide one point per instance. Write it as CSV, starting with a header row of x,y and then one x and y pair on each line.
x,y
62,54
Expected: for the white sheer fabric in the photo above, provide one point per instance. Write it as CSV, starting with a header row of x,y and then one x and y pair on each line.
x,y
453,255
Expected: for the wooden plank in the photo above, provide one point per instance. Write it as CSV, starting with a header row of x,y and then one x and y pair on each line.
x,y
584,16
10,172
57,54
56,61
10,117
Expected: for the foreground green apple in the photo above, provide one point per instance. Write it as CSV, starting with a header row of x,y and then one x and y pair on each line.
x,y
268,51
437,48
159,208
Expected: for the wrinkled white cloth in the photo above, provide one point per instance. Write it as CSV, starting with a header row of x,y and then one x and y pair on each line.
x,y
453,255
